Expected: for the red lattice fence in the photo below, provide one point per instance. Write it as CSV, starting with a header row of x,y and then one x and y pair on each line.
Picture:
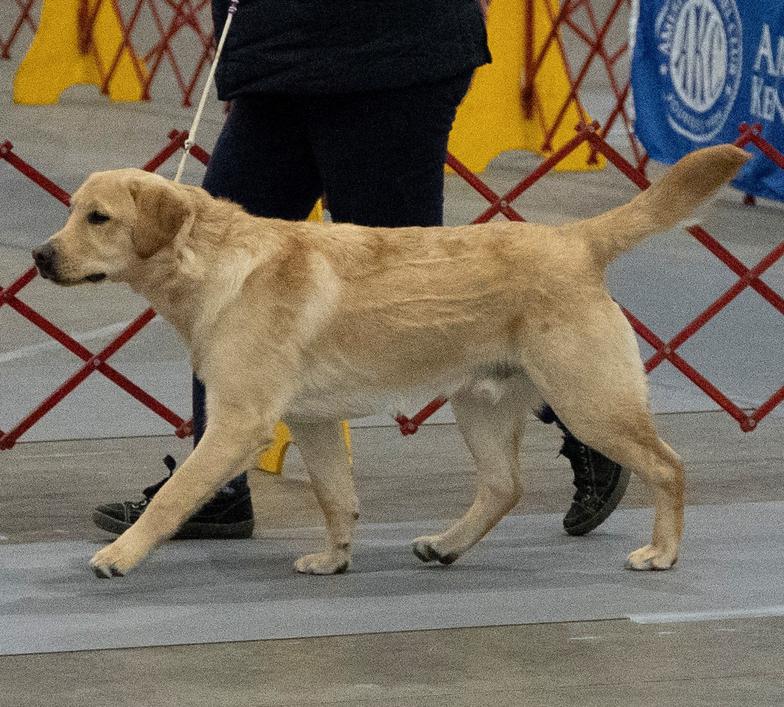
x,y
176,37
18,22
91,362
594,47
748,277
171,37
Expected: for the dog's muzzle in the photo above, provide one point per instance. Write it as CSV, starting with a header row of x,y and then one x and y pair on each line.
x,y
45,259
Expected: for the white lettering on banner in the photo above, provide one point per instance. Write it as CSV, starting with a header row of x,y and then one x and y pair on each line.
x,y
766,103
775,67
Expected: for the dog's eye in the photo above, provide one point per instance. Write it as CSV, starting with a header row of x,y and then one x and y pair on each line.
x,y
97,217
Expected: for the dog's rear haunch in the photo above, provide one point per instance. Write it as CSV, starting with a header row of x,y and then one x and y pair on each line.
x,y
314,323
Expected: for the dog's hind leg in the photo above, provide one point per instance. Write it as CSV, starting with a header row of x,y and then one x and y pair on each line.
x,y
323,450
589,371
492,430
233,434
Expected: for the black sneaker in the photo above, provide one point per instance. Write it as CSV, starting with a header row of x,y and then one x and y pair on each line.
x,y
599,482
599,486
228,515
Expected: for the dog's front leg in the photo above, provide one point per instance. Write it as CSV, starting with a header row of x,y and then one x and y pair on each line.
x,y
323,450
231,436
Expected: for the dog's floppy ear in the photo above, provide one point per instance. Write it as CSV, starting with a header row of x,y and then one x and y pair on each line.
x,y
162,213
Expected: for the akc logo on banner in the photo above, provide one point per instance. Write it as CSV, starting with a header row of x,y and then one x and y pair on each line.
x,y
701,52
700,68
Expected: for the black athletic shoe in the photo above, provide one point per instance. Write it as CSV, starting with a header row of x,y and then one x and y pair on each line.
x,y
228,515
599,486
599,482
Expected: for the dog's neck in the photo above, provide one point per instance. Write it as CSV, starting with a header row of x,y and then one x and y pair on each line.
x,y
190,282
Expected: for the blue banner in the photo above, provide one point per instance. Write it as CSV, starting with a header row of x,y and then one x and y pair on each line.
x,y
700,68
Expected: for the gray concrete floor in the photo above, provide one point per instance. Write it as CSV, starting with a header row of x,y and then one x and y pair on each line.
x,y
595,663
49,489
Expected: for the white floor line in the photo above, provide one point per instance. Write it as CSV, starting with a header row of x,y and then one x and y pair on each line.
x,y
713,615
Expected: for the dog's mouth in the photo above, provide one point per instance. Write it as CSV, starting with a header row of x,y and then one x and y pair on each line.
x,y
50,275
50,266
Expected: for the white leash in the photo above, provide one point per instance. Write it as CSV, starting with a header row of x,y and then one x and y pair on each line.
x,y
191,139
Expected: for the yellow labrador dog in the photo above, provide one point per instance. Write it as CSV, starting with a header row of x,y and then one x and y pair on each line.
x,y
314,323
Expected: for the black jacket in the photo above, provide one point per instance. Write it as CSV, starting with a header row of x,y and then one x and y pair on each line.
x,y
341,46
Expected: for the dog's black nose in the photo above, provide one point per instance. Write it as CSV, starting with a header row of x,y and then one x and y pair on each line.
x,y
44,258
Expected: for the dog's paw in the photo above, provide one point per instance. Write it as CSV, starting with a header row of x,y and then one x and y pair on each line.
x,y
651,557
323,563
111,561
427,550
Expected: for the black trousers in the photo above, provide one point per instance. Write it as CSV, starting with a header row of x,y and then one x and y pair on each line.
x,y
378,157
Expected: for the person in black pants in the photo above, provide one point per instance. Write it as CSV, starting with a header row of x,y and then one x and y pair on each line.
x,y
355,101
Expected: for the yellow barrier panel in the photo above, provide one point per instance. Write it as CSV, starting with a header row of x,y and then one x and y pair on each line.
x,y
272,458
491,118
78,42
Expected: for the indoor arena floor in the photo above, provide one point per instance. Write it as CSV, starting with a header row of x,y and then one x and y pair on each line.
x,y
529,617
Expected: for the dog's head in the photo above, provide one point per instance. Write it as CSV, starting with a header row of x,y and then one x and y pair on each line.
x,y
118,219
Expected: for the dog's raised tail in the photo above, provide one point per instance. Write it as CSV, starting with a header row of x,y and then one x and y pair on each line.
x,y
668,201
